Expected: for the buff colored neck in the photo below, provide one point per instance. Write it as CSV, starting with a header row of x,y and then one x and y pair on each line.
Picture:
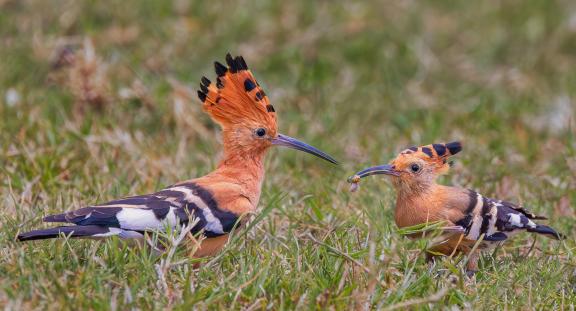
x,y
410,189
412,202
245,170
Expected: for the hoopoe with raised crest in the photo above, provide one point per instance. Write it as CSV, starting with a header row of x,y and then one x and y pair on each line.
x,y
468,216
218,200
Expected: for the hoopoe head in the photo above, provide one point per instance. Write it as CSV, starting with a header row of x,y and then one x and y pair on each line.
x,y
248,120
415,167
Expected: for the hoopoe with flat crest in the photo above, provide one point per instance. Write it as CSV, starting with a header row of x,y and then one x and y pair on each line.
x,y
469,217
218,200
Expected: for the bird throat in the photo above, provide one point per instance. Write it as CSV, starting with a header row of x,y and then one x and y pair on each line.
x,y
411,201
246,170
410,188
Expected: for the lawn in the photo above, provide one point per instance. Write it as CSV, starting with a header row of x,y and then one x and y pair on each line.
x,y
97,101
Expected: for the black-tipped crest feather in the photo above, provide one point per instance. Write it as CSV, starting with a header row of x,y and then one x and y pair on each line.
x,y
220,69
454,147
231,63
202,96
203,88
206,81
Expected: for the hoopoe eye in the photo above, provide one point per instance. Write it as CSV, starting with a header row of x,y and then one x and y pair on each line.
x,y
415,168
260,132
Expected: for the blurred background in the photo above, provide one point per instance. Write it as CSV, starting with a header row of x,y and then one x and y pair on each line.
x,y
98,100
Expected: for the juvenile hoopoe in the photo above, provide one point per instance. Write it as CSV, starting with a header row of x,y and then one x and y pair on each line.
x,y
218,200
469,217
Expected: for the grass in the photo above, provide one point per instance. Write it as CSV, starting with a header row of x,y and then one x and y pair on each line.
x,y
359,80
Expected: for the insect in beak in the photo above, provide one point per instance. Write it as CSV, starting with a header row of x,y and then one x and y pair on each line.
x,y
287,141
386,169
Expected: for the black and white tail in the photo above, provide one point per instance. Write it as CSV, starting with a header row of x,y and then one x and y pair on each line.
x,y
546,231
71,231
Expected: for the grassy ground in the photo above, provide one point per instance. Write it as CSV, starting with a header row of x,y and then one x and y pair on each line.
x,y
359,80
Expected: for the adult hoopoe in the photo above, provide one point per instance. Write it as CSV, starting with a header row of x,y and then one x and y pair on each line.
x,y
217,200
469,217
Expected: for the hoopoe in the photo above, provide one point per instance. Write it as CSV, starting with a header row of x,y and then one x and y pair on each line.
x,y
218,200
469,217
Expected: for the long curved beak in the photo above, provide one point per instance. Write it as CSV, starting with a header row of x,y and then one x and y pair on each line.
x,y
386,169
287,141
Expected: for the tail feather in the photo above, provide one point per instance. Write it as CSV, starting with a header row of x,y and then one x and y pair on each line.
x,y
547,231
55,218
71,231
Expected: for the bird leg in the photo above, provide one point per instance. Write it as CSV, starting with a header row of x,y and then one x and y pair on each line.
x,y
472,265
430,258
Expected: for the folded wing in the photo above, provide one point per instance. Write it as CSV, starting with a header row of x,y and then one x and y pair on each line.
x,y
132,216
497,220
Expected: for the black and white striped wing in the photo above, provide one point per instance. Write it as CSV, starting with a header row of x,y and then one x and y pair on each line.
x,y
169,207
497,219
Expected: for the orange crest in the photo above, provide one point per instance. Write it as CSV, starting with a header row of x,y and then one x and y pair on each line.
x,y
434,154
236,98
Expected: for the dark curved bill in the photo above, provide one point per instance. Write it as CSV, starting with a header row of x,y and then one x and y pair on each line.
x,y
386,169
287,141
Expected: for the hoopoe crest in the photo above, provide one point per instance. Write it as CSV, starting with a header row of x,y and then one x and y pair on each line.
x,y
237,102
218,200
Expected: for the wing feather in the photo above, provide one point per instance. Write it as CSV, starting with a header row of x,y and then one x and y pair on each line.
x,y
171,206
496,220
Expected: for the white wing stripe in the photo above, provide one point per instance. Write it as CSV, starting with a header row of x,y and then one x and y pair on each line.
x,y
111,232
138,219
474,232
479,203
213,224
475,229
493,218
515,220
